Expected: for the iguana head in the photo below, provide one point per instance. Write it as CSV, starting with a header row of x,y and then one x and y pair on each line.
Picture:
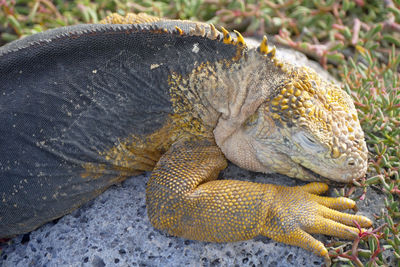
x,y
313,129
306,127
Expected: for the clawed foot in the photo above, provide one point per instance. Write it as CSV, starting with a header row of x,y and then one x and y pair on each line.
x,y
299,211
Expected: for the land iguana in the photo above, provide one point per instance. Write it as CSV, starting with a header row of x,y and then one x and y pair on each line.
x,y
84,107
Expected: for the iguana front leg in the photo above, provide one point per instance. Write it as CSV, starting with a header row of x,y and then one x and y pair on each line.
x,y
185,199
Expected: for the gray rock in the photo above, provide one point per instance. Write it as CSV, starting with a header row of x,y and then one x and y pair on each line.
x,y
113,230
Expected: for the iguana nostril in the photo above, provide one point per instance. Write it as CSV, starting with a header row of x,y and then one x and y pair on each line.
x,y
351,162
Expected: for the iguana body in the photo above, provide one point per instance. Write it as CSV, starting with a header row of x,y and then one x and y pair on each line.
x,y
87,106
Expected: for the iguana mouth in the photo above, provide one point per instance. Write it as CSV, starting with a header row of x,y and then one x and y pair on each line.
x,y
315,175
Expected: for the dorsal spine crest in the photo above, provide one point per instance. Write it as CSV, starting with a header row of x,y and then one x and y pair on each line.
x,y
227,37
240,39
180,31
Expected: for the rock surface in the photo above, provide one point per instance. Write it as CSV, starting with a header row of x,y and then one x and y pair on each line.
x,y
113,230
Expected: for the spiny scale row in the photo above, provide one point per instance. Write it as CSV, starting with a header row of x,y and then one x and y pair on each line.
x,y
214,34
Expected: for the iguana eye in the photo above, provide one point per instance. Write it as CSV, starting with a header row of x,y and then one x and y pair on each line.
x,y
306,141
310,140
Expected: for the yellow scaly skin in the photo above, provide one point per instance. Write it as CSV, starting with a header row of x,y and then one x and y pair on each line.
x,y
306,123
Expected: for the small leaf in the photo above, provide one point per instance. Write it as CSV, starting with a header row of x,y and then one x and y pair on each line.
x,y
371,33
391,39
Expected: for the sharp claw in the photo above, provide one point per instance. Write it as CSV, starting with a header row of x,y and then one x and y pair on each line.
x,y
353,233
328,261
365,222
368,223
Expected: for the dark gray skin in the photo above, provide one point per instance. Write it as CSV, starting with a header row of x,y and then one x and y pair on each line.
x,y
68,94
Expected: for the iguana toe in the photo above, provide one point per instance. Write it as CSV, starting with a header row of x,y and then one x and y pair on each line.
x,y
315,188
301,238
340,203
344,218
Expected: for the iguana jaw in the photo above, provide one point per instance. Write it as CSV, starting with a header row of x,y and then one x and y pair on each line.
x,y
333,170
291,160
316,176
